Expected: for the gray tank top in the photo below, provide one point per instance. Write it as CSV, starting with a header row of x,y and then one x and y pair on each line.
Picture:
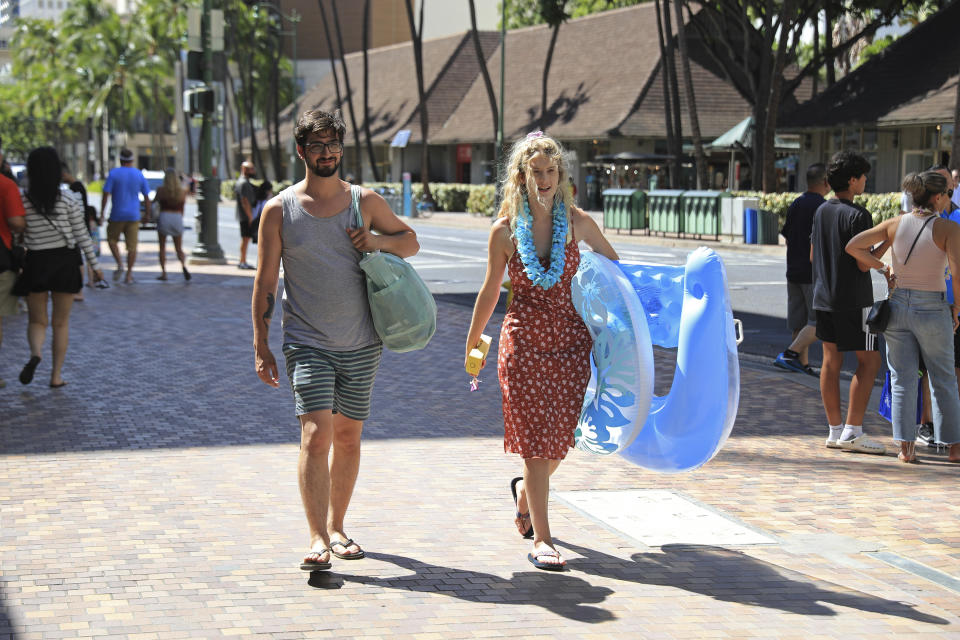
x,y
324,291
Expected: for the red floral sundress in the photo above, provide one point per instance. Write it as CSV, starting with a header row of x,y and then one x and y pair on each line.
x,y
543,363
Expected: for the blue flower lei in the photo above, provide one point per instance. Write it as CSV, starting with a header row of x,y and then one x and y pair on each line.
x,y
528,252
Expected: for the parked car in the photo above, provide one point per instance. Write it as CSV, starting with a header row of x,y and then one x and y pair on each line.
x,y
150,211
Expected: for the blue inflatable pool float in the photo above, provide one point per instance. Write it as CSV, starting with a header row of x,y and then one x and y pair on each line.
x,y
621,382
687,308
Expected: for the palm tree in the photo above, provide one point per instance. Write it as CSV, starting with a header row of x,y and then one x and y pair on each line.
x,y
701,158
366,92
346,87
482,60
554,13
416,35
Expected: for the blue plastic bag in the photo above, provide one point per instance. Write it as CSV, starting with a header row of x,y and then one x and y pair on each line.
x,y
886,399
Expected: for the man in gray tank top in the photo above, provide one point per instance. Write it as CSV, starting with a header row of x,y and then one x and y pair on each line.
x,y
329,344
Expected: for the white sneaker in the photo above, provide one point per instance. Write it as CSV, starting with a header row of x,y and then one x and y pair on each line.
x,y
832,443
864,444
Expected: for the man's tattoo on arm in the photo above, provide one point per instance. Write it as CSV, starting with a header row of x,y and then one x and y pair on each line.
x,y
269,312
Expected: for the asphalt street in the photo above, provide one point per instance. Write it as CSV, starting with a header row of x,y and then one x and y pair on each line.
x,y
452,261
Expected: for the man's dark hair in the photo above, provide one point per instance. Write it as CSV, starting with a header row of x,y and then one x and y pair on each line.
x,y
318,121
816,173
844,166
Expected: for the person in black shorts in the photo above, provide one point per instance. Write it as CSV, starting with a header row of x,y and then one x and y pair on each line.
x,y
245,196
801,318
842,296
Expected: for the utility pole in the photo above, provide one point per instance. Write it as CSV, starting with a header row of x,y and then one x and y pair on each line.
x,y
202,100
503,56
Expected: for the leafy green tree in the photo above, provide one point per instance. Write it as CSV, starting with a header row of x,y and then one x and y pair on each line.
x,y
525,13
753,41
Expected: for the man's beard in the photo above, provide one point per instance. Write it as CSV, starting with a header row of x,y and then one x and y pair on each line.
x,y
325,171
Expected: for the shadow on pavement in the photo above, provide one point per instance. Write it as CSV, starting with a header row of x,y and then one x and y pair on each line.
x,y
561,593
6,625
733,576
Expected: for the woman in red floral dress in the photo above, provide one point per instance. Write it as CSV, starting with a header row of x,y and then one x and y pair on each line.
x,y
544,355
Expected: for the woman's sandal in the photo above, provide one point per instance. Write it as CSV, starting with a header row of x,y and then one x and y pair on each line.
x,y
534,558
315,566
26,375
513,489
908,455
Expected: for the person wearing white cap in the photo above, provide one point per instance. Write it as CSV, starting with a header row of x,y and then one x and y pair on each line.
x,y
124,183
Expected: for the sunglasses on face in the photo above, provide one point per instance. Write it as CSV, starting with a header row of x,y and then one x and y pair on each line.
x,y
318,147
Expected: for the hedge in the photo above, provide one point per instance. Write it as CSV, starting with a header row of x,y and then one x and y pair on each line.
x,y
880,205
450,196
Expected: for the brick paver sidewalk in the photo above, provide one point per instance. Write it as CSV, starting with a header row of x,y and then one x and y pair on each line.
x,y
155,497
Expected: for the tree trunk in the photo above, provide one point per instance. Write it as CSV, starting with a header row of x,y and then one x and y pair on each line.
x,y
333,57
358,172
546,75
268,121
668,111
186,123
677,152
773,103
482,60
232,118
248,104
816,50
366,92
955,149
703,181
275,109
828,53
416,35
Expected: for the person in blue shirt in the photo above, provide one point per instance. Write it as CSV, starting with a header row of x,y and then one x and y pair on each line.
x,y
124,184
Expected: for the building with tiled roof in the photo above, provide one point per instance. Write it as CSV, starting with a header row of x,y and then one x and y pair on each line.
x,y
605,98
897,109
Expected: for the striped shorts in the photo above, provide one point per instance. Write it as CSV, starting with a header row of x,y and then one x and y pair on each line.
x,y
337,380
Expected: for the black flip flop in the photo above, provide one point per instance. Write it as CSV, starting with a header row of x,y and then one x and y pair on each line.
x,y
316,566
346,556
513,489
26,376
546,566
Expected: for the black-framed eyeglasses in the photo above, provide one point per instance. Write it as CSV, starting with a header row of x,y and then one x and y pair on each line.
x,y
318,147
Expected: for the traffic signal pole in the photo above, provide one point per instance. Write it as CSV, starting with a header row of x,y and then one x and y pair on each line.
x,y
207,249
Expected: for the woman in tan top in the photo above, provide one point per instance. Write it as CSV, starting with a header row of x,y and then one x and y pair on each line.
x,y
170,198
921,322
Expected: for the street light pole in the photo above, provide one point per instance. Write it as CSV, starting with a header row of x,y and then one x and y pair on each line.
x,y
503,66
207,249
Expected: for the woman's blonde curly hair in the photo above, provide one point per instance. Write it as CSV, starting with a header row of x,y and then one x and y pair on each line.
x,y
517,181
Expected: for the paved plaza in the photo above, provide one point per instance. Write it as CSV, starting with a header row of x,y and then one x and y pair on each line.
x,y
156,496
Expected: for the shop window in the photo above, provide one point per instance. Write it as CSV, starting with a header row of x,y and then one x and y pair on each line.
x,y
851,139
946,136
869,140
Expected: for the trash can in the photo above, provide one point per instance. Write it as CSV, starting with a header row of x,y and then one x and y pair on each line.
x,y
768,227
750,226
701,212
624,209
663,209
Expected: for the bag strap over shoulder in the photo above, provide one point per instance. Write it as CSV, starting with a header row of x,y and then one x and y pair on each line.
x,y
355,203
355,196
929,220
